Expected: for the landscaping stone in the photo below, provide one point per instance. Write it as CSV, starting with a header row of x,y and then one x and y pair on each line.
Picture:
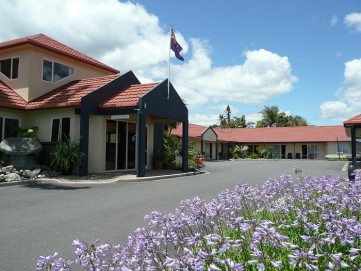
x,y
31,174
11,174
13,177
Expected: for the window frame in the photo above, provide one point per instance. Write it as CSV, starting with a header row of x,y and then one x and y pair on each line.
x,y
11,67
3,125
60,135
53,70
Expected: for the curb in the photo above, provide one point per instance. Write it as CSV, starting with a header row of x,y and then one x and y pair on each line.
x,y
133,179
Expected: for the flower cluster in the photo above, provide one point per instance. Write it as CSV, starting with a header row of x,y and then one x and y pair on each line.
x,y
311,224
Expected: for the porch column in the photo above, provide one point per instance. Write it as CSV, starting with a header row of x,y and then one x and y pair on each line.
x,y
185,146
140,141
353,145
217,155
84,143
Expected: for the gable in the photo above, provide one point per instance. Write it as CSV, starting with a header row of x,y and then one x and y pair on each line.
x,y
209,135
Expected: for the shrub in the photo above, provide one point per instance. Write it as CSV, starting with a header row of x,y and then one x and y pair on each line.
x,y
66,155
314,225
254,156
173,145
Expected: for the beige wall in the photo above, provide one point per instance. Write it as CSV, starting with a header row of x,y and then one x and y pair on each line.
x,y
30,85
333,149
97,142
10,113
43,120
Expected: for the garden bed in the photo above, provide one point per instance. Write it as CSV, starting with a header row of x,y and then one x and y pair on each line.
x,y
314,225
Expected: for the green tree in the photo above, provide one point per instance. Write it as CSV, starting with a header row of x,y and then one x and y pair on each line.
x,y
270,116
273,117
296,121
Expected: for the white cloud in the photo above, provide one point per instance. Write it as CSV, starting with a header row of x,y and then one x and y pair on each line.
x,y
127,37
334,110
353,20
333,20
349,97
262,76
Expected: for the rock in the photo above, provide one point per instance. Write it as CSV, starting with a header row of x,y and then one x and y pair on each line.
x,y
20,145
13,177
31,174
7,169
20,151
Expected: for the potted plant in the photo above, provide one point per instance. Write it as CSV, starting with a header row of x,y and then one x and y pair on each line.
x,y
158,160
66,156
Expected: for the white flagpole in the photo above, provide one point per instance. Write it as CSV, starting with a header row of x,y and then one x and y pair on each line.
x,y
170,41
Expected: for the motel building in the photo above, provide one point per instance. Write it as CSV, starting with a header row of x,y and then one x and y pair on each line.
x,y
119,121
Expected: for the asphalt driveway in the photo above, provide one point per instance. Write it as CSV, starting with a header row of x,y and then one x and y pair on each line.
x,y
39,219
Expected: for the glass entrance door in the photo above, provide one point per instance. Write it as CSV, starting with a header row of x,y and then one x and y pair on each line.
x,y
120,145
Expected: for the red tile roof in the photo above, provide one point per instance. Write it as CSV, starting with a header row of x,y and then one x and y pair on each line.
x,y
128,97
9,98
70,94
43,41
225,135
194,131
354,120
295,134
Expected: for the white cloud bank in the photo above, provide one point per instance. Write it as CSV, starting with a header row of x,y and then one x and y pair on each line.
x,y
126,36
348,101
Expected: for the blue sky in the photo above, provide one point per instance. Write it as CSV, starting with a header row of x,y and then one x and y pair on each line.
x,y
302,56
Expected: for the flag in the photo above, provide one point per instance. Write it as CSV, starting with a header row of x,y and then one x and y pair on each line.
x,y
174,45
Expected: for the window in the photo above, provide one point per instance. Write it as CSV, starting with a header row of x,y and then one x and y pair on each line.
x,y
60,129
10,67
53,71
313,152
8,127
343,148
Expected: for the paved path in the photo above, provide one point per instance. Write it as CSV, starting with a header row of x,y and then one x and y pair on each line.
x,y
38,219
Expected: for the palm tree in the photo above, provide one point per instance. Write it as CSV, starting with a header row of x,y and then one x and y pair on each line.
x,y
270,116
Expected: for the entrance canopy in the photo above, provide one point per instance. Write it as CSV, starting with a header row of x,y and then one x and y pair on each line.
x,y
125,95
